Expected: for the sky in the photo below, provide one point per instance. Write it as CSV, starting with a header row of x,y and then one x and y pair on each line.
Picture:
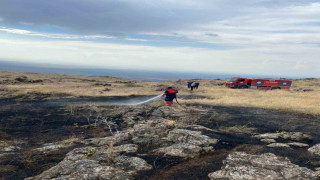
x,y
269,37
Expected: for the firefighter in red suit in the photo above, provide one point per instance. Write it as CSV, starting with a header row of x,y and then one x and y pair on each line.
x,y
170,94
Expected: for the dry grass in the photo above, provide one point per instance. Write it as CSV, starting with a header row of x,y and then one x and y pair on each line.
x,y
292,101
76,85
295,100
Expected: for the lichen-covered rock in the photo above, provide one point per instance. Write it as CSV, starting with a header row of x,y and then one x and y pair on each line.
x,y
297,144
317,171
117,138
83,169
190,137
131,164
126,148
6,149
315,149
243,166
186,144
117,153
49,147
10,148
268,136
183,150
97,163
268,140
280,145
294,136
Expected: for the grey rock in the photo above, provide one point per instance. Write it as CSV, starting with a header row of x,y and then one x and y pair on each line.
x,y
280,145
297,144
97,163
131,163
83,169
10,148
6,150
183,150
315,149
243,166
268,136
190,137
296,136
117,138
317,170
126,148
268,140
49,147
186,144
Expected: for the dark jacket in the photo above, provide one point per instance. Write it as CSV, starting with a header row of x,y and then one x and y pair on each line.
x,y
189,84
171,94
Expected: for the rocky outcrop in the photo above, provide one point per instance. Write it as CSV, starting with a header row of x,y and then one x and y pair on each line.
x,y
161,136
292,139
186,144
97,163
190,137
183,150
119,156
315,149
294,136
243,166
118,138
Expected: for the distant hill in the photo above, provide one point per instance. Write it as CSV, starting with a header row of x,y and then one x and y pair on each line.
x,y
140,75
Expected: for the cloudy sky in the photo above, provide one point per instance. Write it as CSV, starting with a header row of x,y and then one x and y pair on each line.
x,y
276,37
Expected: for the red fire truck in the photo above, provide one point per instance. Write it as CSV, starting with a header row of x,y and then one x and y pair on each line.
x,y
245,83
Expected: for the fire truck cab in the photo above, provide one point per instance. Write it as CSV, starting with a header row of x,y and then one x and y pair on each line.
x,y
245,83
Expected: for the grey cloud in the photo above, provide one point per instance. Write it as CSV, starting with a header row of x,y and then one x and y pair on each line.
x,y
212,35
102,17
124,16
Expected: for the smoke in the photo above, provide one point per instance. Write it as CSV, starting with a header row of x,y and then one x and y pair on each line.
x,y
138,102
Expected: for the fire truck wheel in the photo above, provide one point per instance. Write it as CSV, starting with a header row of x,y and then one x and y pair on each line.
x,y
243,87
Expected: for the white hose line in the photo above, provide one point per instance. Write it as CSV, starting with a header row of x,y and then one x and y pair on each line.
x,y
142,102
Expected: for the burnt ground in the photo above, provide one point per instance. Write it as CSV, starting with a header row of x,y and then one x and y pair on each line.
x,y
264,121
35,122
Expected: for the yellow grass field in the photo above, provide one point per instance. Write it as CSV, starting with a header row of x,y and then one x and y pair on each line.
x,y
304,96
303,102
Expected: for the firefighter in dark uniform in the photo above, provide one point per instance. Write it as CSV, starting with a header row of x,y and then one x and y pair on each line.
x,y
170,94
196,85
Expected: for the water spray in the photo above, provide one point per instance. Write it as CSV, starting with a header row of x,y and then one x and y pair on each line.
x,y
141,102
